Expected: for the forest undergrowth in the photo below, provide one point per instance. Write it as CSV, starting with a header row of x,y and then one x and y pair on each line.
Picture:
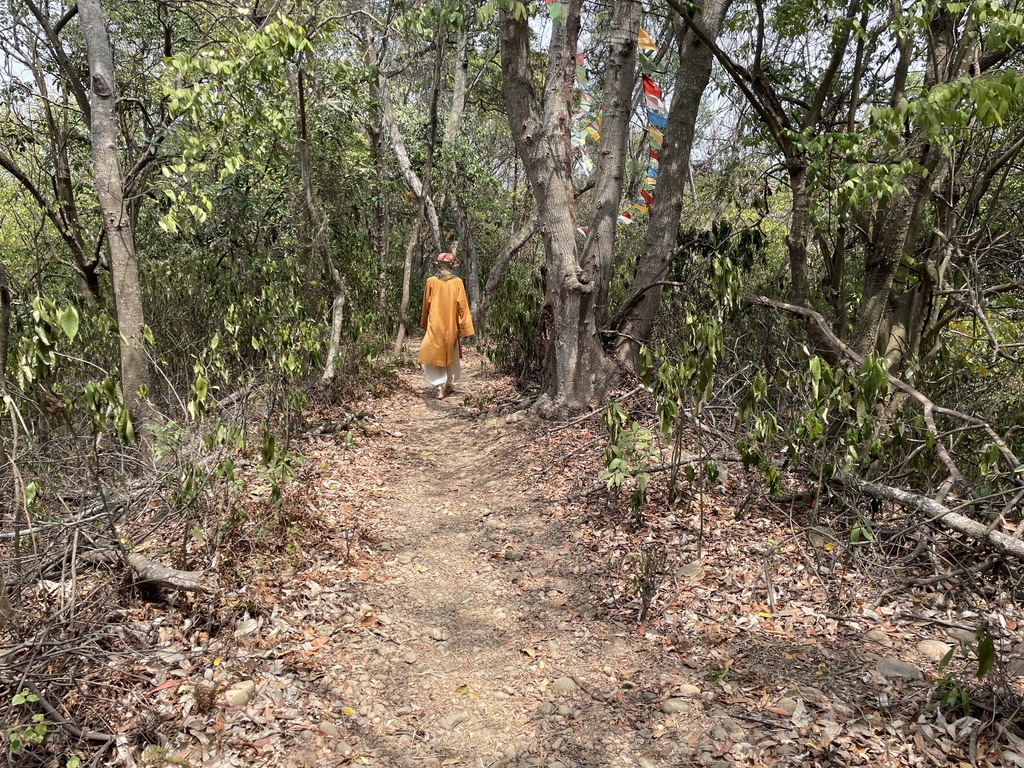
x,y
458,583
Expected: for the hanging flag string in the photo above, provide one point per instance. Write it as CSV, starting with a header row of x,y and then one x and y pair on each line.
x,y
657,120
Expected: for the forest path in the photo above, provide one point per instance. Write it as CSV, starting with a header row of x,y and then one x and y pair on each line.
x,y
475,642
439,593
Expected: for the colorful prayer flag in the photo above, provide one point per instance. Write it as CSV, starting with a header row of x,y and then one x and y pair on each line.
x,y
656,119
656,136
644,42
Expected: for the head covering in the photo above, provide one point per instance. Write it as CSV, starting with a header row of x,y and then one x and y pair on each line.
x,y
447,259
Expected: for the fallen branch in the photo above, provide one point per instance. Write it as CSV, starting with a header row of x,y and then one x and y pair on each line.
x,y
1006,545
67,725
156,574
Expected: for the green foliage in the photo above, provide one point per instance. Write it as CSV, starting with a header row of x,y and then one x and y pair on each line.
x,y
512,345
21,736
630,451
239,89
951,690
832,424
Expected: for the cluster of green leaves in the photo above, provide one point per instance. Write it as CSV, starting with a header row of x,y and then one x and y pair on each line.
x,y
514,310
953,692
237,90
631,449
831,424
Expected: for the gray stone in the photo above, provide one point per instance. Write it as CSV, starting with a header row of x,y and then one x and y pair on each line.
x,y
878,636
450,722
934,649
240,694
330,730
515,418
890,667
494,524
787,704
403,711
405,557
515,555
563,685
560,585
516,577
546,708
688,690
690,570
439,634
962,635
675,706
820,535
410,658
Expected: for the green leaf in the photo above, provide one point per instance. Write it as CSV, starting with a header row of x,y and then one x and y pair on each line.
x,y
986,654
944,662
125,431
202,387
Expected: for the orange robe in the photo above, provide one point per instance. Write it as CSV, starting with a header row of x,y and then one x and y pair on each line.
x,y
446,317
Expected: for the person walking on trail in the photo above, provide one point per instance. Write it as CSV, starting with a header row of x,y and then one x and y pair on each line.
x,y
446,319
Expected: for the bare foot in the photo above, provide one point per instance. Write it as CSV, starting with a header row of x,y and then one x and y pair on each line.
x,y
440,393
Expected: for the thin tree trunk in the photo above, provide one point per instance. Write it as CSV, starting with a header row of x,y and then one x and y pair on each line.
x,y
403,310
124,269
409,176
319,237
518,240
691,79
426,208
451,126
5,326
470,258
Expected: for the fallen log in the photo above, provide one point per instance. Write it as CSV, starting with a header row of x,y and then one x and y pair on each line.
x,y
940,513
152,573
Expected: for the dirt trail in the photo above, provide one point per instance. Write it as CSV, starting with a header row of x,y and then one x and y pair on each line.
x,y
445,604
482,648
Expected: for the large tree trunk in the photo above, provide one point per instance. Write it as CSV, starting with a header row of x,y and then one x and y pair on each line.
x,y
691,79
124,269
607,196
901,216
576,371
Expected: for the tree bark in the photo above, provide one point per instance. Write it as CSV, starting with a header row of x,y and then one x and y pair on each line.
x,y
692,76
575,371
124,269
611,158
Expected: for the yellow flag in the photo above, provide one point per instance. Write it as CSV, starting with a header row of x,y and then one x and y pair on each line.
x,y
644,42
